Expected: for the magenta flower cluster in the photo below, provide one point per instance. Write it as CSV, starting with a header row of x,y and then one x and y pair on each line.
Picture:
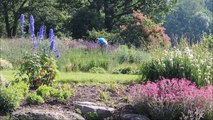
x,y
173,98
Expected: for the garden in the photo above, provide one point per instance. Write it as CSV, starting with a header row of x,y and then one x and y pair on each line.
x,y
139,74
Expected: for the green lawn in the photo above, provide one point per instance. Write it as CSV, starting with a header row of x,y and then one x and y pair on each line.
x,y
80,77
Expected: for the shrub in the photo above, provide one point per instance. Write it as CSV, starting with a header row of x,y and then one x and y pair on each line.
x,y
111,37
143,32
4,64
97,70
126,70
33,98
186,63
172,99
38,69
11,96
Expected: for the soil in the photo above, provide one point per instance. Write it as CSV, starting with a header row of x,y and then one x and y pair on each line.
x,y
114,97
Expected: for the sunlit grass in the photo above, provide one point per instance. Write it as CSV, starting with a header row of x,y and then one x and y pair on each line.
x,y
80,77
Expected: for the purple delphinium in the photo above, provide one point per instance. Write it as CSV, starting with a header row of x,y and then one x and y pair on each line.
x,y
51,35
35,46
58,55
41,33
52,40
52,45
22,23
32,28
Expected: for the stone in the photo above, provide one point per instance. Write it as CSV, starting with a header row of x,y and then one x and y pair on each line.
x,y
133,117
45,114
101,111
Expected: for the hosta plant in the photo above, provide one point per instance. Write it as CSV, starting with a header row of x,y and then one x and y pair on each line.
x,y
173,99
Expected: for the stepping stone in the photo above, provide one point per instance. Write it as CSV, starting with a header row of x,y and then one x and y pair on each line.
x,y
101,111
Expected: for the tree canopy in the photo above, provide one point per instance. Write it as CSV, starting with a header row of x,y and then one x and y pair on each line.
x,y
76,18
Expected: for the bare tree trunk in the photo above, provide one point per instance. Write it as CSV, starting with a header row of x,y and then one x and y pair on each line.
x,y
6,20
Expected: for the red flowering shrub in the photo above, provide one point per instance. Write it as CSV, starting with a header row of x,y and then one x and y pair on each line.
x,y
143,32
173,99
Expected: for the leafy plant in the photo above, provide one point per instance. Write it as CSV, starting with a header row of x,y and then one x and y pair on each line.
x,y
47,92
11,96
38,69
34,98
171,99
185,63
44,91
126,70
104,96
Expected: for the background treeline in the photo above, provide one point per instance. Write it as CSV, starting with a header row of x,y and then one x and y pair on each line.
x,y
89,19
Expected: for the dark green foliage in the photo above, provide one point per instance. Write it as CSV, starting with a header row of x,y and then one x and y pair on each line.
x,y
84,20
166,68
112,37
75,17
126,70
38,69
33,98
190,19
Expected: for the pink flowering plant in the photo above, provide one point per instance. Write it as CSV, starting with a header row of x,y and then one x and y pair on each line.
x,y
173,99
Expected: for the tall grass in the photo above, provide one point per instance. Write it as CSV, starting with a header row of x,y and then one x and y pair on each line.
x,y
81,55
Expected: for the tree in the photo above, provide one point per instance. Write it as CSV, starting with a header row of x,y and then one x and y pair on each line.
x,y
11,10
190,19
46,12
143,32
113,10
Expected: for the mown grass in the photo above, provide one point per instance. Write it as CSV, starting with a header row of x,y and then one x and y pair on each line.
x,y
84,78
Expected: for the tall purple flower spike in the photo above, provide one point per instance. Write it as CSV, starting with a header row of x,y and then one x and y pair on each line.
x,y
51,35
41,33
52,45
22,23
35,45
32,28
52,40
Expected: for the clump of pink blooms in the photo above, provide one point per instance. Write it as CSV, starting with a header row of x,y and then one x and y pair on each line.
x,y
170,99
